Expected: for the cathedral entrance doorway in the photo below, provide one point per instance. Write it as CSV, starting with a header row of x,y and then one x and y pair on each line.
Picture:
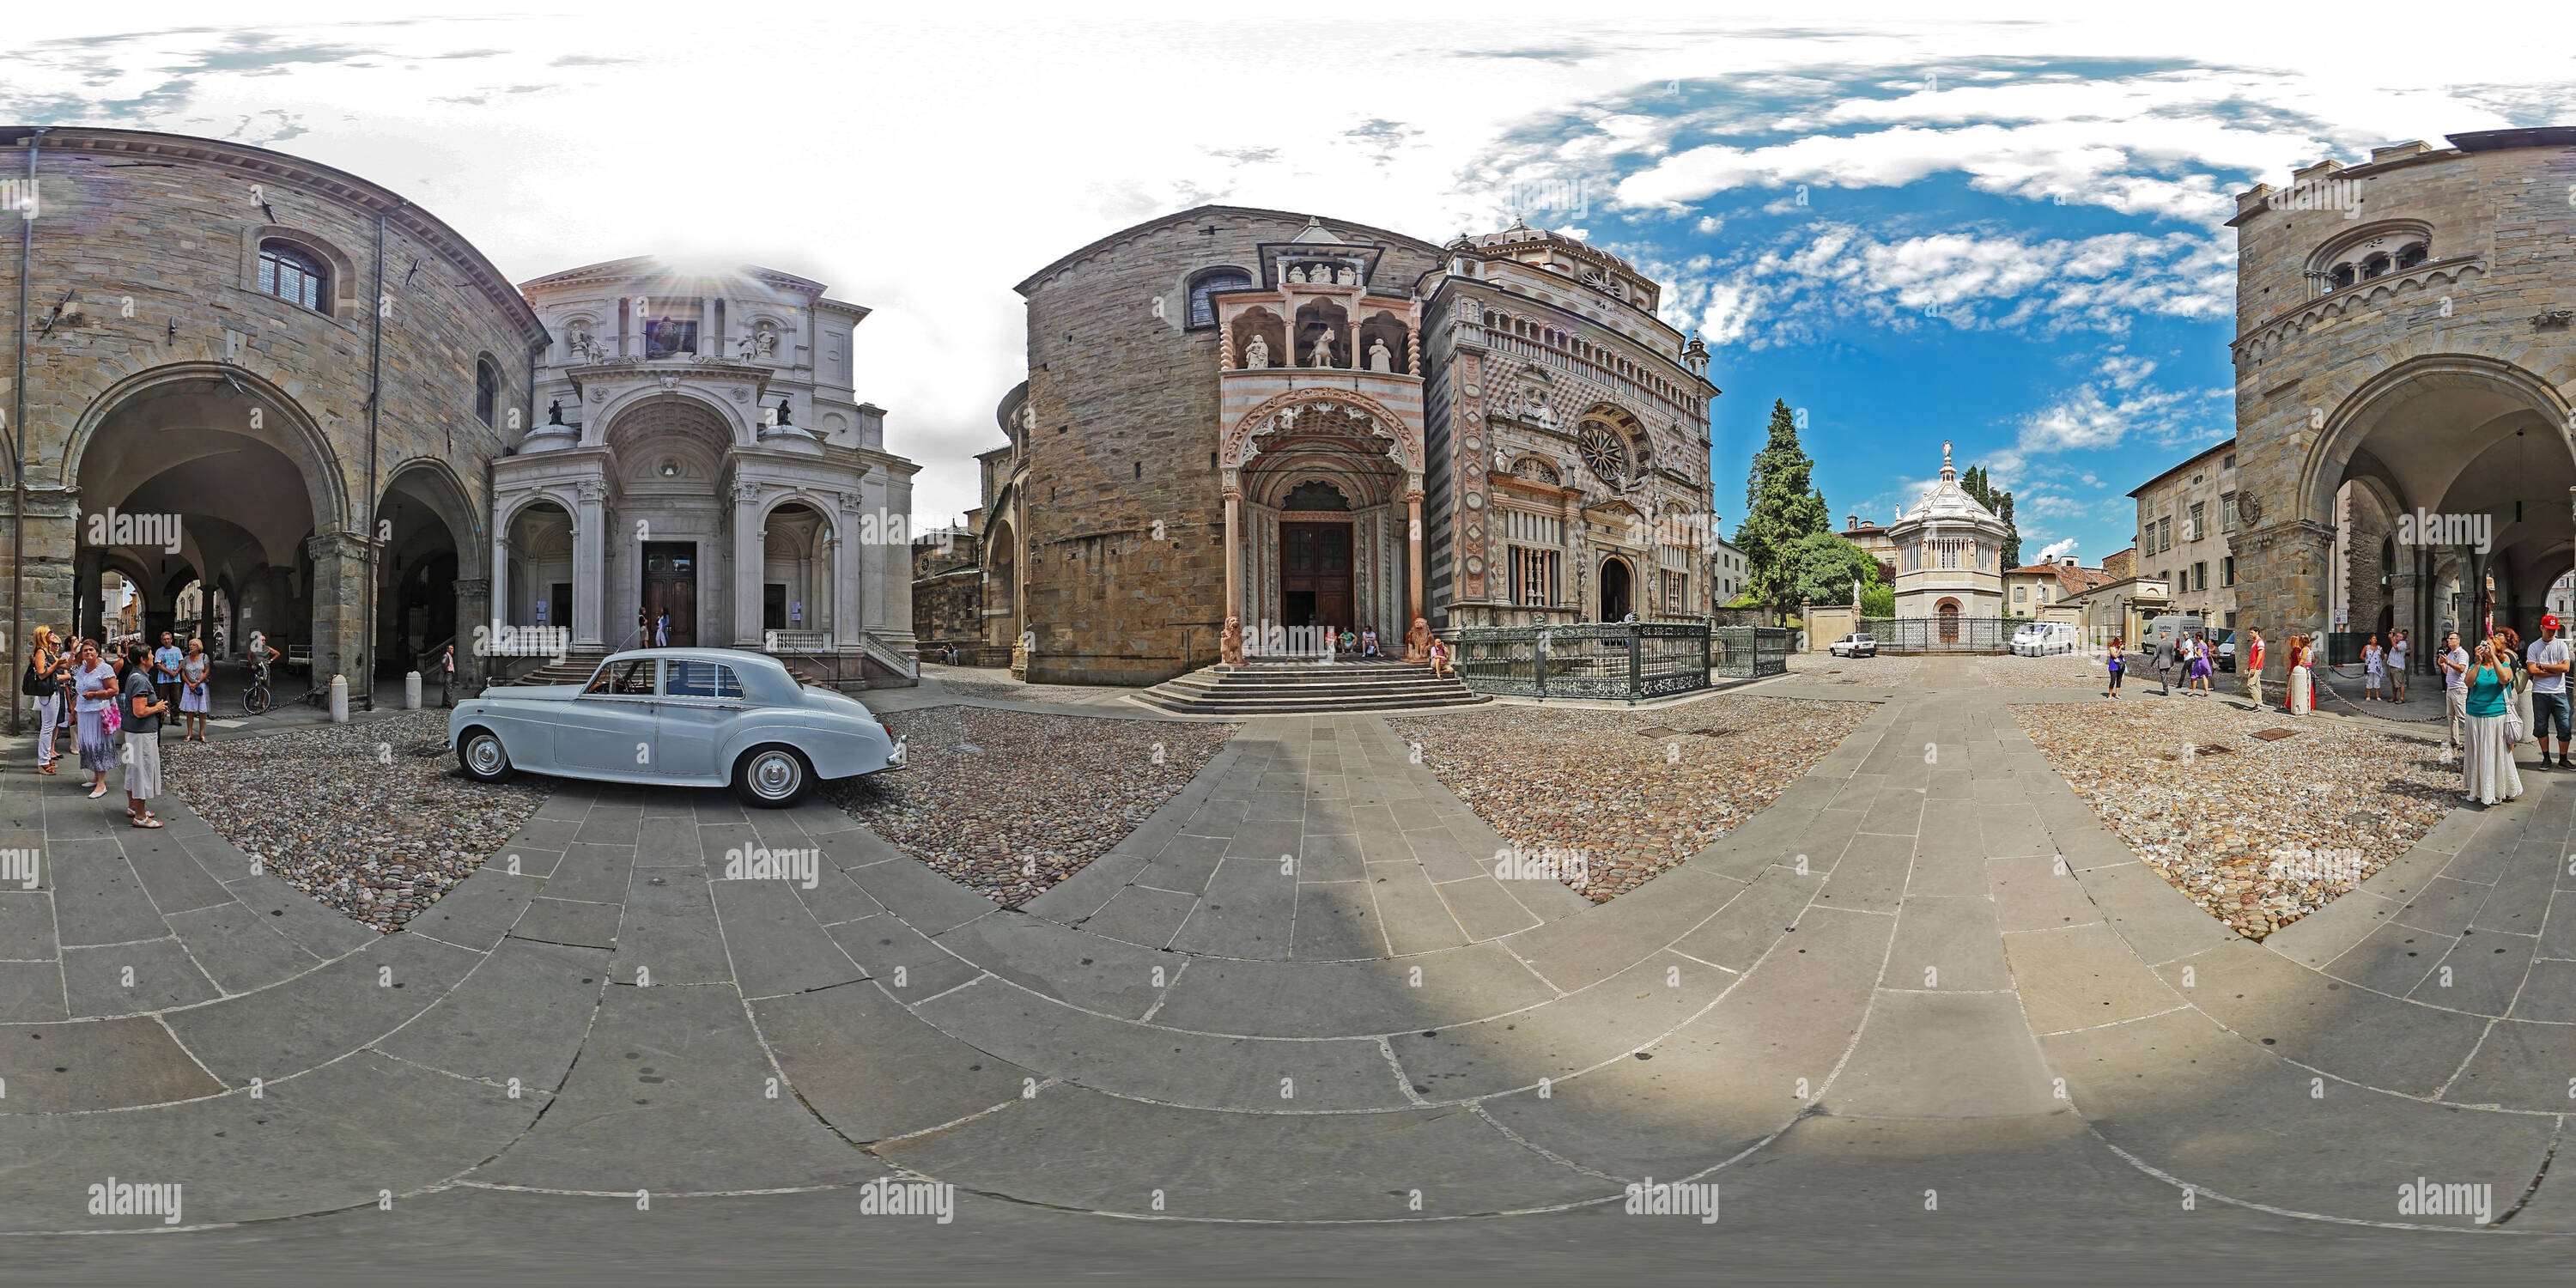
x,y
670,587
1315,575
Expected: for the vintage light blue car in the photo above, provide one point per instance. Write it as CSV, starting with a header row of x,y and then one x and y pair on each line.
x,y
686,717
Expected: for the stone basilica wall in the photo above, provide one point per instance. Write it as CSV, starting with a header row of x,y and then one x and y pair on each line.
x,y
173,225
1121,423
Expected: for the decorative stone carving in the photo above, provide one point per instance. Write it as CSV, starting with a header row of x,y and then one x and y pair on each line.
x,y
1417,641
554,412
744,490
759,344
599,395
741,395
1380,358
1502,458
591,491
1256,353
1230,644
1346,275
1321,355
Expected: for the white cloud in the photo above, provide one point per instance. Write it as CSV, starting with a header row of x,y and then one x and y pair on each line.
x,y
2056,550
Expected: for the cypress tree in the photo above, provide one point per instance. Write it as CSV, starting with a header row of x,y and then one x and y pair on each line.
x,y
1781,504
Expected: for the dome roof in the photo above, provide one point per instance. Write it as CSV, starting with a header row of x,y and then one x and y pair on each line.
x,y
1948,505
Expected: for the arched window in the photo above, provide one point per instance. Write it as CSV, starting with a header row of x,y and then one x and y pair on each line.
x,y
2375,266
292,275
487,392
2414,253
2340,278
1213,282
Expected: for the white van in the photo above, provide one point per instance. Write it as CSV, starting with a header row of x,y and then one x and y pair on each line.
x,y
2040,639
2171,626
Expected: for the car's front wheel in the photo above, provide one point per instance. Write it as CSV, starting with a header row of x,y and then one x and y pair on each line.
x,y
480,754
772,777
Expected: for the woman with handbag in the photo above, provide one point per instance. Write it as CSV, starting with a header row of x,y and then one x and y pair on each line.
x,y
144,707
94,684
2509,654
195,689
2487,759
43,682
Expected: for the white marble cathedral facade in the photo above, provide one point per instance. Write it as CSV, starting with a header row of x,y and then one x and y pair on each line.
x,y
701,472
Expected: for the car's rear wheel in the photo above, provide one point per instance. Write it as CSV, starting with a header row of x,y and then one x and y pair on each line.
x,y
480,754
772,777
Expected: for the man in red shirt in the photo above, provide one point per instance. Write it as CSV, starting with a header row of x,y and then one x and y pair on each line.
x,y
2253,661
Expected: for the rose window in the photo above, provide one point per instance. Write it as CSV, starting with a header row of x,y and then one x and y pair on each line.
x,y
1604,453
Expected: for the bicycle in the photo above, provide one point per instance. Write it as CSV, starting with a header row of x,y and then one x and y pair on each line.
x,y
254,698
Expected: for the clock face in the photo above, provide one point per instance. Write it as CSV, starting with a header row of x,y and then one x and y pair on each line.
x,y
1604,453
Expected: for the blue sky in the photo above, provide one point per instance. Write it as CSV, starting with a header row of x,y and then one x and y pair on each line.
x,y
2002,226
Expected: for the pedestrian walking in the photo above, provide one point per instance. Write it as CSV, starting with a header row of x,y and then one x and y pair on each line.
x,y
94,686
2374,667
447,676
2397,665
142,729
2302,685
2164,663
196,689
2486,764
2253,661
2204,661
2454,662
2112,663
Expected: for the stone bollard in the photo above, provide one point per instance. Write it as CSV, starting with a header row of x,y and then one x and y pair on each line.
x,y
339,699
411,691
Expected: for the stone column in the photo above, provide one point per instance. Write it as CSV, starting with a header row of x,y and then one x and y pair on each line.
x,y
1233,550
498,613
1413,548
473,607
749,565
589,574
340,626
850,559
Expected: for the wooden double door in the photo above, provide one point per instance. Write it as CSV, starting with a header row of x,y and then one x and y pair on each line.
x,y
670,586
1315,576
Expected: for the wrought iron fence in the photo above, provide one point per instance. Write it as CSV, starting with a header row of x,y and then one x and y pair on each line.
x,y
1941,634
1616,661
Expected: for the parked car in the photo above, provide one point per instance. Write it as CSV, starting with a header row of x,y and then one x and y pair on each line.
x,y
1854,645
2040,639
2171,626
694,717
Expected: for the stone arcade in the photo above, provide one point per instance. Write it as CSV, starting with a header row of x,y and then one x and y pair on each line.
x,y
352,417
2408,353
1257,414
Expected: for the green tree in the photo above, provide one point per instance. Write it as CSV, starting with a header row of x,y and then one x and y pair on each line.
x,y
1781,505
1878,600
1823,566
1977,483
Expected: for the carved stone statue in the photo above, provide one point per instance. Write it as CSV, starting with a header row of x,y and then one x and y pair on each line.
x,y
1381,358
554,412
1502,459
1322,354
782,413
1295,273
1417,642
1256,353
1346,276
1230,644
761,343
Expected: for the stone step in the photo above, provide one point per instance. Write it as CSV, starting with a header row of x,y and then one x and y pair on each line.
x,y
1272,690
1302,706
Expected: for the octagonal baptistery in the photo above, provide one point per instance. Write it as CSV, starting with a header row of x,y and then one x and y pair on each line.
x,y
1298,422
2405,359
257,375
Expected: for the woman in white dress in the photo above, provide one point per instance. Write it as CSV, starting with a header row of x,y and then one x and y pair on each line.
x,y
2486,760
2303,698
2509,656
194,689
2374,667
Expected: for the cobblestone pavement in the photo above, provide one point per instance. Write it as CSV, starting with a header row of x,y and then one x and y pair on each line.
x,y
1926,980
1627,795
2259,818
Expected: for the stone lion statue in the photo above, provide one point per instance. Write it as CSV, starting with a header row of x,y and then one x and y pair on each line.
x,y
1230,644
1417,642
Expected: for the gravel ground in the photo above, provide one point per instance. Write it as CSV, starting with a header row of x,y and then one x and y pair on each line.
x,y
2265,832
975,682
1008,802
2057,671
373,820
1608,783
1824,668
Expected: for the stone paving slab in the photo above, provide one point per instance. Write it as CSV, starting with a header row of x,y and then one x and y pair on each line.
x,y
105,1064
